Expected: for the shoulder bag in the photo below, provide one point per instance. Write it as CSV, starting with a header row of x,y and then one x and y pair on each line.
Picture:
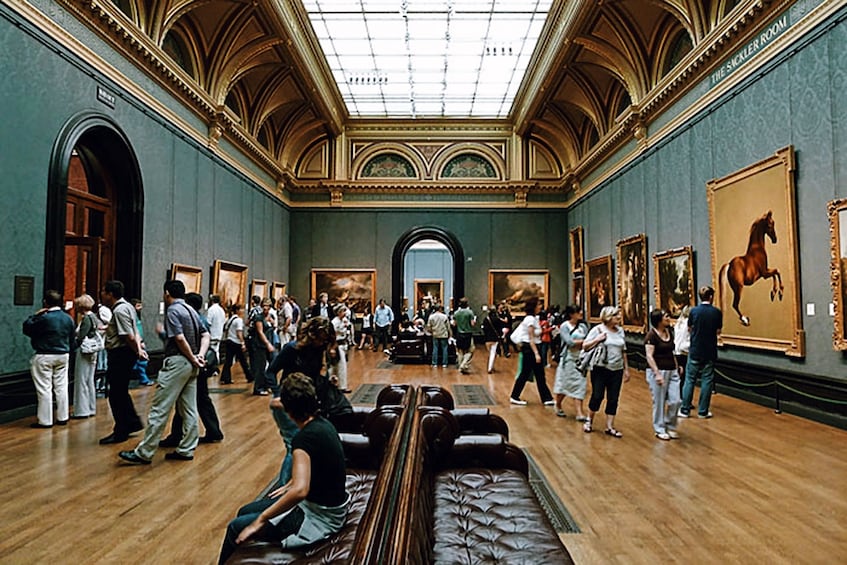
x,y
92,343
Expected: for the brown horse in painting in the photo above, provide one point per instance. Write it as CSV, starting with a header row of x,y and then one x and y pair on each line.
x,y
744,270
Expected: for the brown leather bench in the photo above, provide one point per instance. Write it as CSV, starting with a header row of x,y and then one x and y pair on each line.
x,y
444,492
372,450
468,500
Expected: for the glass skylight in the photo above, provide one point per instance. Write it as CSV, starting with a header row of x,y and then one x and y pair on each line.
x,y
428,58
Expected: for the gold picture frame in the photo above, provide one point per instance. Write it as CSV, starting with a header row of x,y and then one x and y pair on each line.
x,y
429,288
577,258
673,279
837,212
516,286
229,281
756,205
599,289
191,277
277,291
259,287
632,282
356,285
578,293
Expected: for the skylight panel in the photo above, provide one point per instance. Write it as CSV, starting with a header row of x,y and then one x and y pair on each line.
x,y
443,58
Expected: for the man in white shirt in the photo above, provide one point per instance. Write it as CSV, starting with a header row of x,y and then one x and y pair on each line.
x,y
383,318
286,320
216,318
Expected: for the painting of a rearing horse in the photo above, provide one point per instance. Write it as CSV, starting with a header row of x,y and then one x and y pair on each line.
x,y
744,270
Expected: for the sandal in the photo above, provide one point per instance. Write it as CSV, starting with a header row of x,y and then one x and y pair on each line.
x,y
586,427
613,432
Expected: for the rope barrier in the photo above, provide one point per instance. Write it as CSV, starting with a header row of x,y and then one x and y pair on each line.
x,y
778,384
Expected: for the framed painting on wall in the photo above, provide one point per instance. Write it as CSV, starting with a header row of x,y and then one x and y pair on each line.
x,y
515,287
277,291
259,288
229,281
577,262
837,211
598,282
632,282
355,285
753,233
432,289
674,279
191,277
578,293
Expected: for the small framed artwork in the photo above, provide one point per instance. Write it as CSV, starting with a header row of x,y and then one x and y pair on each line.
x,y
277,291
837,210
755,256
673,279
632,282
191,277
598,283
358,286
577,265
515,287
229,281
259,288
429,289
578,293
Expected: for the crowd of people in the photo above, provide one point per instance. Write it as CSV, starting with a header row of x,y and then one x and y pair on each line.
x,y
309,348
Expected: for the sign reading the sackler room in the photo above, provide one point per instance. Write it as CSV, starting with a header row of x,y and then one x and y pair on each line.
x,y
752,48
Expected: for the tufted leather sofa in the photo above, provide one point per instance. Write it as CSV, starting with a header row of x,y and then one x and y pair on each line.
x,y
444,492
371,442
470,500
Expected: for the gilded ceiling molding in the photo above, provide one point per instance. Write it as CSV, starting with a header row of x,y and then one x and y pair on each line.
x,y
697,64
105,18
315,161
304,133
395,186
169,13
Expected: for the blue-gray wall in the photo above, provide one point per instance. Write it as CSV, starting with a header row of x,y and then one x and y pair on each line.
x,y
433,264
196,208
491,239
799,100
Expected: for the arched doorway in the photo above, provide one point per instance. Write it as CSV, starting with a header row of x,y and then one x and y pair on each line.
x,y
94,209
405,242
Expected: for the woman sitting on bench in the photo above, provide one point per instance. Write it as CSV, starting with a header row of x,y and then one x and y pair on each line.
x,y
313,504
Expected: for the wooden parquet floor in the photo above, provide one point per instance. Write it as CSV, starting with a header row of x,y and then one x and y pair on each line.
x,y
747,486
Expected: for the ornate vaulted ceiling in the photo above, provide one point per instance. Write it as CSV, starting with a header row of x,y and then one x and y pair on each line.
x,y
253,71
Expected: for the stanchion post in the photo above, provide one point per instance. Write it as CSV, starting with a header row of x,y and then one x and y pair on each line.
x,y
778,409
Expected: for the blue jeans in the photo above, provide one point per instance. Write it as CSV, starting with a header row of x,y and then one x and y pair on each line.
x,y
439,344
705,371
270,533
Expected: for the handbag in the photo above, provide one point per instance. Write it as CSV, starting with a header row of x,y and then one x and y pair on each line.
x,y
92,344
588,359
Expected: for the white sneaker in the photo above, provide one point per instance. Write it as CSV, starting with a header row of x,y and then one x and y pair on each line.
x,y
705,416
682,414
664,436
517,401
673,434
549,403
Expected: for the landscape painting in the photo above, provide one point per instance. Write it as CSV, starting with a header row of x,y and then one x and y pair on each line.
x,y
515,287
356,287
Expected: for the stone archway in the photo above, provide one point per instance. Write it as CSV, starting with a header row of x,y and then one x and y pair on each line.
x,y
98,146
414,235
